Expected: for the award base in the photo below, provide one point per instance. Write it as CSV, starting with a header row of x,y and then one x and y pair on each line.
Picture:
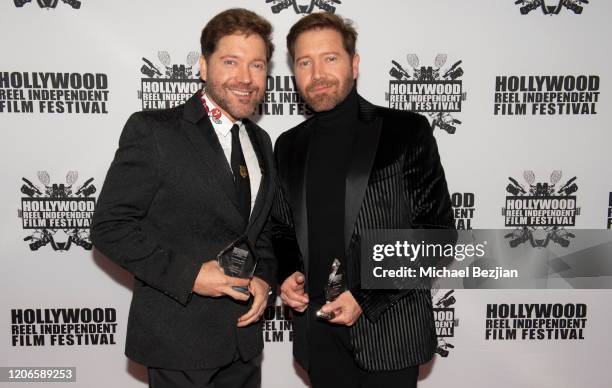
x,y
326,316
244,290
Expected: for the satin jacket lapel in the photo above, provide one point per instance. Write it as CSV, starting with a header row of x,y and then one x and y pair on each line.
x,y
265,162
297,187
360,165
207,148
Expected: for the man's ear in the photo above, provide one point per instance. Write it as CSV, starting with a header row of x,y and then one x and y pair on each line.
x,y
356,66
202,68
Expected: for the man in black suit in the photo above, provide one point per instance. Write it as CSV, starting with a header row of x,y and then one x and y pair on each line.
x,y
185,183
353,166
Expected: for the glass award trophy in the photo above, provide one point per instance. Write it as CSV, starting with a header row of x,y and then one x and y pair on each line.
x,y
238,260
336,285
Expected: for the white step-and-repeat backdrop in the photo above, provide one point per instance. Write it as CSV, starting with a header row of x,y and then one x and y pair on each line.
x,y
518,93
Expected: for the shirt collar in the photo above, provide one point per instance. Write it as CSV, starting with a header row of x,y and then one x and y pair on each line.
x,y
220,122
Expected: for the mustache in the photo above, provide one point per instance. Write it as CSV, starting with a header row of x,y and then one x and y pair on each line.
x,y
321,83
242,87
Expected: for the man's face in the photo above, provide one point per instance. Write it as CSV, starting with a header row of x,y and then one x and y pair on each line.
x,y
235,74
324,72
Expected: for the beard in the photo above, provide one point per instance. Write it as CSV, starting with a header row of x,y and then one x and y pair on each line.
x,y
236,106
321,102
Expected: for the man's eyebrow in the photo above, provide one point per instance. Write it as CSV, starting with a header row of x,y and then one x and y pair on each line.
x,y
319,55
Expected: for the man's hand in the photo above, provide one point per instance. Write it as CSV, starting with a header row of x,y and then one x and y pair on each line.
x,y
292,292
345,308
259,289
212,281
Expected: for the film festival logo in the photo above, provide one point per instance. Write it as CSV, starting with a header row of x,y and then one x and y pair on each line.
x,y
536,322
546,95
551,7
541,211
436,91
303,7
51,92
90,326
463,209
49,4
277,324
57,214
445,321
282,98
169,84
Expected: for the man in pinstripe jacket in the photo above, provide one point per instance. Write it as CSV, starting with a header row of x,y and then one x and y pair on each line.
x,y
353,166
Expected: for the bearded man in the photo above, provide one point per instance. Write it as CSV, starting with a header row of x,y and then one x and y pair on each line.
x,y
353,166
185,183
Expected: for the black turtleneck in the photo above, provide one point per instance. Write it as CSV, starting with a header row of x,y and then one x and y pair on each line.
x,y
330,146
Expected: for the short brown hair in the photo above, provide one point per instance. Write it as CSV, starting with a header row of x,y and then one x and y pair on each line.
x,y
232,21
320,20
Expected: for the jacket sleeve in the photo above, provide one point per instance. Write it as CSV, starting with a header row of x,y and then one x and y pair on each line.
x,y
427,192
282,224
267,264
129,189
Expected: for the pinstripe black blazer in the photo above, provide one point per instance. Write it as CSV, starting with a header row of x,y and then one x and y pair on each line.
x,y
395,180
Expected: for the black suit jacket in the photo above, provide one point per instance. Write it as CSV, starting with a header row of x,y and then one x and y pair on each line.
x,y
394,181
168,204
